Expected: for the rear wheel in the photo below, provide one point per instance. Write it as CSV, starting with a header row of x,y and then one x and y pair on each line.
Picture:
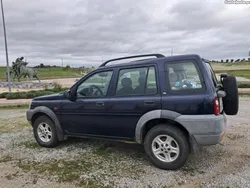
x,y
45,132
167,147
231,100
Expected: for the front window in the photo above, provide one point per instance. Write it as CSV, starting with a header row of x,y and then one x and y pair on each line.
x,y
183,76
95,86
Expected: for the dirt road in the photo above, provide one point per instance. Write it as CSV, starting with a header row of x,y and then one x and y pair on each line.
x,y
95,163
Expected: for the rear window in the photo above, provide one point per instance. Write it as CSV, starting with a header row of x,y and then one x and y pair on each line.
x,y
183,76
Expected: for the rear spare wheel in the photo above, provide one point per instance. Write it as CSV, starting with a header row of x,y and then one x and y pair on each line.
x,y
231,100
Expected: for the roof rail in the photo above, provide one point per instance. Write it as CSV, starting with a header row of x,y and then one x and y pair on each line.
x,y
129,57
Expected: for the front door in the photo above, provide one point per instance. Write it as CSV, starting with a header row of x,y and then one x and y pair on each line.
x,y
86,115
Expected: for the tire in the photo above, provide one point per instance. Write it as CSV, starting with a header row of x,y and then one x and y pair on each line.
x,y
48,140
231,100
180,141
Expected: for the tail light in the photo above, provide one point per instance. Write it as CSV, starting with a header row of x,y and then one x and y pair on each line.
x,y
216,106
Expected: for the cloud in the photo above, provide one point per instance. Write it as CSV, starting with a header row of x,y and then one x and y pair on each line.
x,y
87,32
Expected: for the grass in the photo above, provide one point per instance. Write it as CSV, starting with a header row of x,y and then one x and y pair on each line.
x,y
81,170
244,95
13,127
53,72
191,170
243,85
30,145
241,73
12,176
231,66
97,168
66,171
5,159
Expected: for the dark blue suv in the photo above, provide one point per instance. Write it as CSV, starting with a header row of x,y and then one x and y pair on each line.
x,y
168,104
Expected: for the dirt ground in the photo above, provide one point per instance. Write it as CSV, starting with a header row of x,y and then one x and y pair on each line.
x,y
96,163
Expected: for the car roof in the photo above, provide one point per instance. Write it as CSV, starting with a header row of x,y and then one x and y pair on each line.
x,y
147,61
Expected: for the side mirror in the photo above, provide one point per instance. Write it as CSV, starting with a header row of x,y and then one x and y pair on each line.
x,y
68,95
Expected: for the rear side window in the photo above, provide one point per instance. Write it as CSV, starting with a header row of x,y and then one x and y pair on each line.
x,y
183,76
136,81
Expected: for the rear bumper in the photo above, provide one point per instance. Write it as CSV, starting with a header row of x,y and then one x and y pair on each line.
x,y
208,139
206,129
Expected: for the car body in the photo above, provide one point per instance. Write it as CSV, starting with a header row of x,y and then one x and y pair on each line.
x,y
127,101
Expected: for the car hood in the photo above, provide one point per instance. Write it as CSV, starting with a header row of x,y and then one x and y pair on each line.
x,y
58,96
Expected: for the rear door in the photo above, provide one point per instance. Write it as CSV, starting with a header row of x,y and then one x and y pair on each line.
x,y
135,92
184,83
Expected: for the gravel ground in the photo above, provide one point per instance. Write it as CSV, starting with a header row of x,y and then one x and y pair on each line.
x,y
96,163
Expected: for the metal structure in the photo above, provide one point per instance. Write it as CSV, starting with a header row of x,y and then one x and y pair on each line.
x,y
6,48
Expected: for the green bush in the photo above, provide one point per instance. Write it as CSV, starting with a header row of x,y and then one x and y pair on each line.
x,y
3,95
28,95
56,90
31,94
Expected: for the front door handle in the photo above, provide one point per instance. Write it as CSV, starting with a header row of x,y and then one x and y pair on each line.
x,y
149,102
99,103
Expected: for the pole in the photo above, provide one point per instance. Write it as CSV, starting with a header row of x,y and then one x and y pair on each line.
x,y
62,62
6,48
172,51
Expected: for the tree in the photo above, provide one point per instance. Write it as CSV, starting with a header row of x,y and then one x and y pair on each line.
x,y
41,65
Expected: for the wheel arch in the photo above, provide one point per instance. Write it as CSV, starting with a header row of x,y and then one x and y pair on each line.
x,y
45,111
153,118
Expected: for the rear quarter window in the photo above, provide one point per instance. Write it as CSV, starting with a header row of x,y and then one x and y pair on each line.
x,y
212,74
183,77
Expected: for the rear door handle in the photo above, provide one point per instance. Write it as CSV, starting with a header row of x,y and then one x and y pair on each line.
x,y
99,103
149,102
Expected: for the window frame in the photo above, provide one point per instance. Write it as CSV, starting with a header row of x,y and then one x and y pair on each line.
x,y
92,74
136,67
147,82
184,91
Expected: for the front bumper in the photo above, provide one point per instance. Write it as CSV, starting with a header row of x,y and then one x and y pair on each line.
x,y
29,114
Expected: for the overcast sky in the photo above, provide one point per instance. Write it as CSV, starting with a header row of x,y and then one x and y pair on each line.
x,y
87,31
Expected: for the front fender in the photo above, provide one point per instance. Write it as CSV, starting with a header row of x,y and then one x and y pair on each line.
x,y
45,110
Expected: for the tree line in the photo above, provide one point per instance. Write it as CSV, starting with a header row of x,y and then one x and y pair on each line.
x,y
231,60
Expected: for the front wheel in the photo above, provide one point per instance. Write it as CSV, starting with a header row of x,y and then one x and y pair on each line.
x,y
167,147
45,132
